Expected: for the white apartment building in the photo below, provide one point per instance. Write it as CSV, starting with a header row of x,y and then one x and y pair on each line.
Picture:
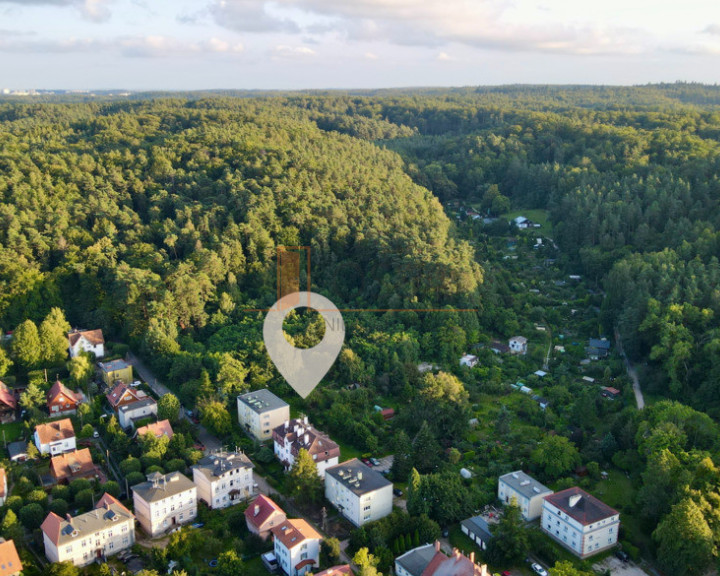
x,y
102,532
55,437
260,412
358,492
86,341
164,502
296,546
580,522
527,492
224,479
292,436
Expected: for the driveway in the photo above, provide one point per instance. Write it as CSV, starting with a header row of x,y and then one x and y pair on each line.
x,y
619,568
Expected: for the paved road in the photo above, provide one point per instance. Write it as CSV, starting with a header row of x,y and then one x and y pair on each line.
x,y
632,373
211,442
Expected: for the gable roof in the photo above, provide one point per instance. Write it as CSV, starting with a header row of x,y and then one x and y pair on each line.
x,y
416,560
580,505
64,530
157,429
59,390
455,565
7,397
159,486
266,508
294,532
599,344
121,390
478,525
94,337
55,431
9,559
78,463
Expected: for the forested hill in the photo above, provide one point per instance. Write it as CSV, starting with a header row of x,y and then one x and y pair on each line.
x,y
163,212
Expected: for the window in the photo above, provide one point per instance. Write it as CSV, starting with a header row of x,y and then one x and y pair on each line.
x,y
68,549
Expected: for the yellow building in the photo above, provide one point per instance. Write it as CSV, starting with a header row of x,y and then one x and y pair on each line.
x,y
114,371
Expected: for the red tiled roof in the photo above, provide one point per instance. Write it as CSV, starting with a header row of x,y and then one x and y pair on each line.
x,y
54,431
294,532
95,337
318,444
7,397
266,508
59,393
51,526
120,390
72,465
108,499
307,562
455,565
9,559
158,429
342,570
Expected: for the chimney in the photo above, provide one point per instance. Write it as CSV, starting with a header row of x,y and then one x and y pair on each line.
x,y
574,499
257,510
68,518
305,420
307,438
472,557
483,568
456,554
437,545
359,475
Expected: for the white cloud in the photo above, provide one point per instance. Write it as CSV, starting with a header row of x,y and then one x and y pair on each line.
x,y
371,56
443,57
284,51
93,10
249,16
713,29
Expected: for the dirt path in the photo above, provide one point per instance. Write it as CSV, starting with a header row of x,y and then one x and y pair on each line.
x,y
632,373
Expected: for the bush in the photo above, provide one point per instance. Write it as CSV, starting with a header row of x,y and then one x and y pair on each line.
x,y
84,499
79,485
175,465
31,516
112,488
38,496
148,461
153,469
129,465
135,478
632,550
59,506
61,491
15,503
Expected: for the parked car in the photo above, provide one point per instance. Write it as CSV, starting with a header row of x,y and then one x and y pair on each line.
x,y
199,446
375,461
539,570
96,434
397,492
136,383
366,462
622,555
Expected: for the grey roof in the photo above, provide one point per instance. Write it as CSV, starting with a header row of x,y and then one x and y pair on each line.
x,y
417,559
262,401
16,449
599,344
136,405
161,486
113,365
478,526
87,524
214,466
525,484
348,472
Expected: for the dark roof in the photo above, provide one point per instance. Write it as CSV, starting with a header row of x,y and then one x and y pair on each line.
x,y
18,448
587,509
214,466
599,344
137,405
262,401
348,472
416,560
159,487
478,526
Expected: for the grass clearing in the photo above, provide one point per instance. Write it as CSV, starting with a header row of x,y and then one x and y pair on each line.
x,y
536,215
12,431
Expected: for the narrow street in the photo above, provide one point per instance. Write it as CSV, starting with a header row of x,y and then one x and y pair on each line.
x,y
632,373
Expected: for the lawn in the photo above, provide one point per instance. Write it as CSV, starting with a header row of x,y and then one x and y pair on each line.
x,y
255,567
12,431
536,215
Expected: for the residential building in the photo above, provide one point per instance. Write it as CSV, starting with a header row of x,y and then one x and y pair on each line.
x,y
478,530
3,486
10,564
518,345
102,532
527,492
114,371
55,437
129,414
62,401
8,404
499,347
262,515
294,435
296,546
469,360
17,451
224,479
580,522
122,394
67,467
430,560
341,570
164,502
358,492
260,412
598,348
86,341
522,222
610,392
157,429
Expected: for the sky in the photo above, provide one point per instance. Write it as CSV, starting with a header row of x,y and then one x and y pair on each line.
x,y
300,44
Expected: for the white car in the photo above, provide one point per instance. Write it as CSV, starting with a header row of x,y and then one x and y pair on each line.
x,y
539,570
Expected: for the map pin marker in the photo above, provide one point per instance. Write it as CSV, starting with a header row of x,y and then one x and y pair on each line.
x,y
303,368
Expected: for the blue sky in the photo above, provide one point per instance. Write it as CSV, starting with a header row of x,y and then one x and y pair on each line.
x,y
286,44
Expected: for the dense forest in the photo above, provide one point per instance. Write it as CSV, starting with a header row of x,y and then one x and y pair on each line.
x,y
157,218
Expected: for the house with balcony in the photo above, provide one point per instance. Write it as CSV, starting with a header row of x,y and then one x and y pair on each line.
x,y
224,479
294,435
